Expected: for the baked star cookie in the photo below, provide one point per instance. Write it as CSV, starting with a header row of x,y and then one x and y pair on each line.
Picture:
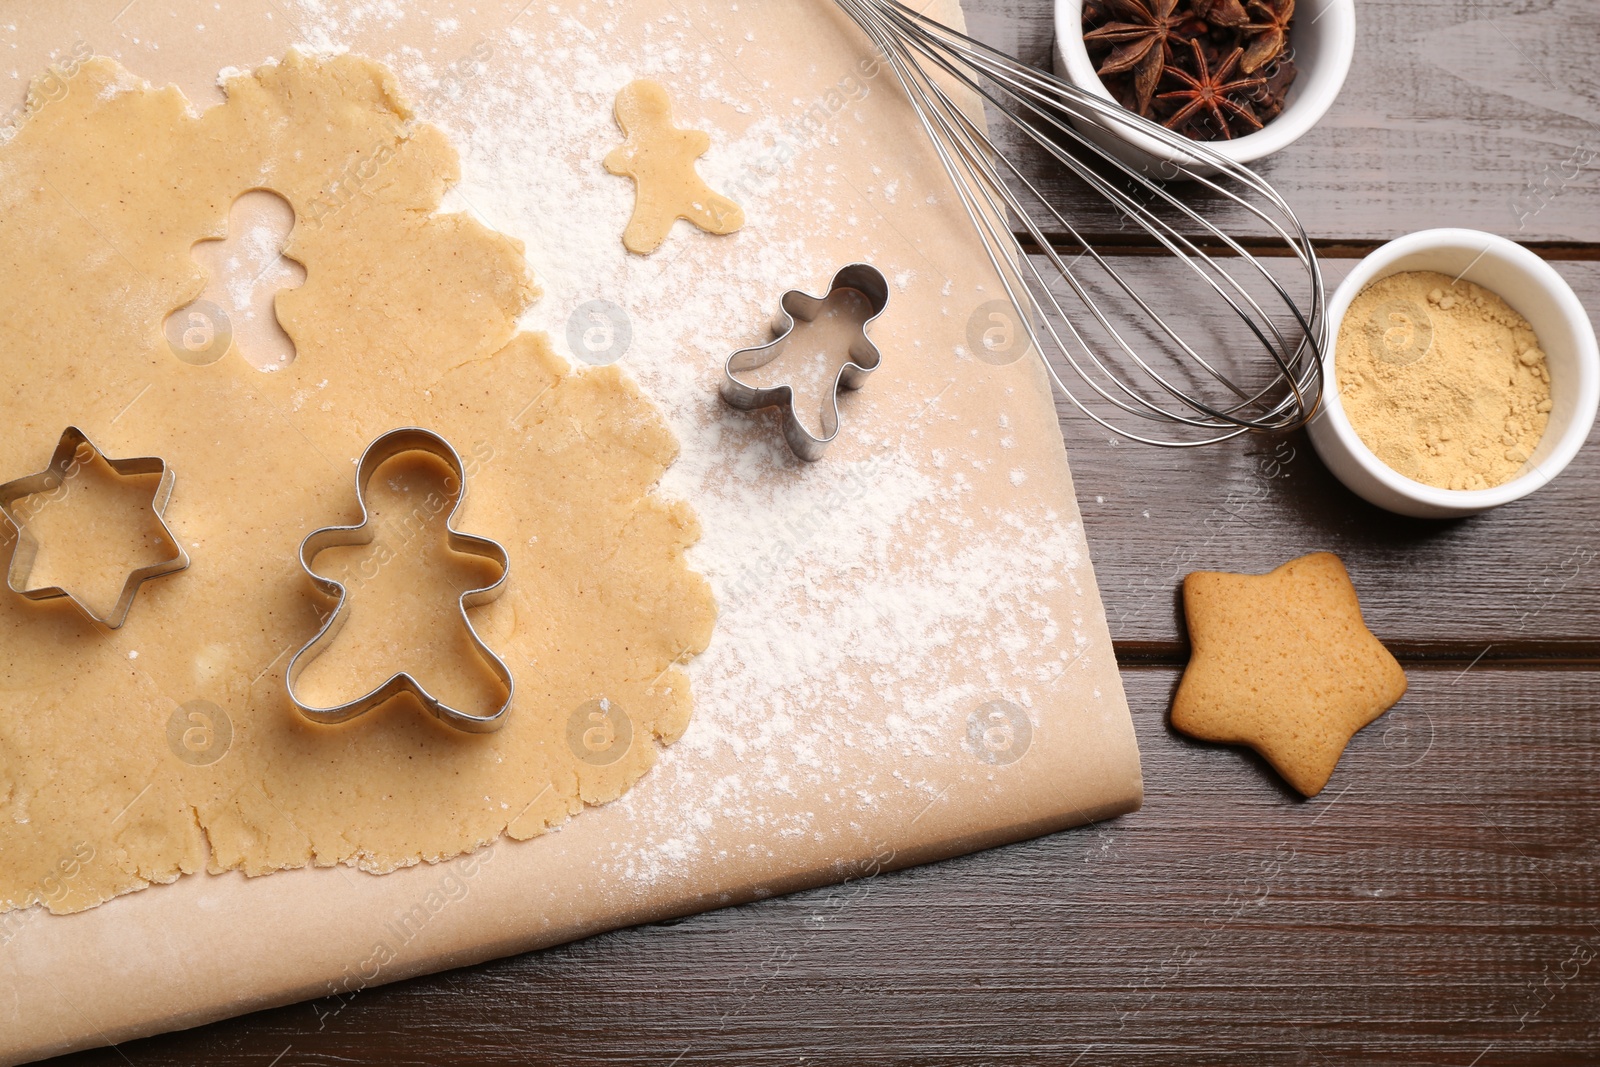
x,y
1284,663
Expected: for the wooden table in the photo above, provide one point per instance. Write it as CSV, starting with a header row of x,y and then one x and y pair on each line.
x,y
1439,903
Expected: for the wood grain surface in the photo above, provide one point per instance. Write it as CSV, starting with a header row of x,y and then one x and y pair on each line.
x,y
1436,904
1519,582
1455,113
1439,903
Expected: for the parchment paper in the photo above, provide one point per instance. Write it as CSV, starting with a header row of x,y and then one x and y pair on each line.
x,y
206,948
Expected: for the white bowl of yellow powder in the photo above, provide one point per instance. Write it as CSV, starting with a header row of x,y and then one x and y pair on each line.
x,y
1463,374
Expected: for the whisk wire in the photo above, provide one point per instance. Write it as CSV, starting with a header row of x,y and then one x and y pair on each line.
x,y
1160,230
1048,112
963,130
922,101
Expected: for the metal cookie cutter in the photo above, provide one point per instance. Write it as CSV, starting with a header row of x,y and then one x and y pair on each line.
x,y
73,441
864,359
385,448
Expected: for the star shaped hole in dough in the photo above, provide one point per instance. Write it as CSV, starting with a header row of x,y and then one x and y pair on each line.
x,y
90,529
1284,663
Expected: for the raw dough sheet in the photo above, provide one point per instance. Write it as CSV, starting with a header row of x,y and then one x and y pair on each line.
x,y
883,614
405,319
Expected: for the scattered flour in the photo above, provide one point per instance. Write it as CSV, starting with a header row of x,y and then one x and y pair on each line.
x,y
855,569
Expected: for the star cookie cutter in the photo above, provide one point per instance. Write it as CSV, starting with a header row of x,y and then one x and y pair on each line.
x,y
864,359
53,477
392,444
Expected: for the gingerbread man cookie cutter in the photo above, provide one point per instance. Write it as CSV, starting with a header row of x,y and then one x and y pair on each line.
x,y
864,359
392,444
73,443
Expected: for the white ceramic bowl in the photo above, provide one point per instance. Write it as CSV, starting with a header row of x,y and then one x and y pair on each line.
x,y
1540,295
1323,39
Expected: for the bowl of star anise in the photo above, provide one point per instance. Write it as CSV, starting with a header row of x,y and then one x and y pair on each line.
x,y
1245,77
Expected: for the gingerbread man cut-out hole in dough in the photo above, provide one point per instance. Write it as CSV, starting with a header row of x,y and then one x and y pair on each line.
x,y
660,159
245,271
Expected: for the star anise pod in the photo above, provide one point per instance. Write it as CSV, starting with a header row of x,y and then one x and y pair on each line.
x,y
1142,39
1229,13
1267,101
1213,93
1268,36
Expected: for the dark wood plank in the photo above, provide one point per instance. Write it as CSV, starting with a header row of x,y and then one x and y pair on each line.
x,y
1523,580
1455,113
1437,904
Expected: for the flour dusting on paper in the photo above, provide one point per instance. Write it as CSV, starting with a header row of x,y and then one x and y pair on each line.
x,y
860,567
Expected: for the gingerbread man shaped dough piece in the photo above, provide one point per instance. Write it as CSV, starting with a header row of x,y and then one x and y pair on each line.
x,y
660,159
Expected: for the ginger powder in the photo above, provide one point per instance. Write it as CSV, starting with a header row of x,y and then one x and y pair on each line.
x,y
1442,380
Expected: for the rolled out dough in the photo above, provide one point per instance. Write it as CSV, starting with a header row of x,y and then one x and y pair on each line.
x,y
405,317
